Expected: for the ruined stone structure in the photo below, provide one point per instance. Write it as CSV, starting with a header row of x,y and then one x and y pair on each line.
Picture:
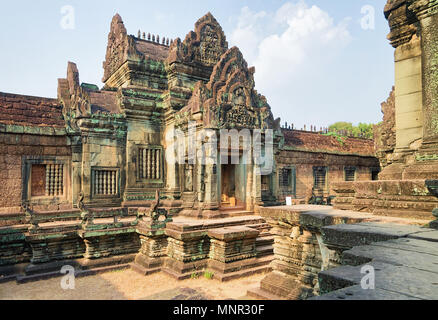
x,y
86,178
314,161
406,141
383,226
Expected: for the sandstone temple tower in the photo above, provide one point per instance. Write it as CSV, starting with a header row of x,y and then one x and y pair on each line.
x,y
119,133
407,140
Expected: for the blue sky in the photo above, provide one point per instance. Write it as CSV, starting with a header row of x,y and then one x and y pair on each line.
x,y
314,61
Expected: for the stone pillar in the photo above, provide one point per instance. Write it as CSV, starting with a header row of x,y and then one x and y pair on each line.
x,y
173,189
86,170
200,181
211,196
426,12
408,95
76,172
274,181
249,185
257,185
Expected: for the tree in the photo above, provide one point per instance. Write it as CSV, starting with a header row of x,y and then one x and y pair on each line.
x,y
362,130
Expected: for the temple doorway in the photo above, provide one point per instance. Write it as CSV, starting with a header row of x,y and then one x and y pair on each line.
x,y
228,185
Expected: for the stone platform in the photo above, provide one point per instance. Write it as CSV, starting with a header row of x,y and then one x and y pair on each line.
x,y
409,199
228,248
302,247
406,267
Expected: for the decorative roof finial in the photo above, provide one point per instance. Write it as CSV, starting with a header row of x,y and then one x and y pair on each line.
x,y
149,36
139,34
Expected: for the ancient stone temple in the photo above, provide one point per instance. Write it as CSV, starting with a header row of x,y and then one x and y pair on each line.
x,y
166,166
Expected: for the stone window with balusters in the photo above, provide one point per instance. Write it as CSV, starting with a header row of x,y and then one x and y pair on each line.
x,y
150,165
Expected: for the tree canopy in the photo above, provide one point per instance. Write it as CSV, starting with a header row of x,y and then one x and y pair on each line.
x,y
362,130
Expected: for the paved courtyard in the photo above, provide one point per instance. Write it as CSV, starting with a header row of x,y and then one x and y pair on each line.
x,y
129,285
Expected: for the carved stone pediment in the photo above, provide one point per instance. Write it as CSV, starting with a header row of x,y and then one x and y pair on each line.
x,y
204,46
120,47
229,99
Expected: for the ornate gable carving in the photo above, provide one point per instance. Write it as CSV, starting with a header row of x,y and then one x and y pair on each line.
x,y
229,100
75,100
120,47
205,45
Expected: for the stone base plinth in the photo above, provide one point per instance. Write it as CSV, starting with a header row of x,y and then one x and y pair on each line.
x,y
280,286
238,269
233,253
424,169
184,270
397,198
190,244
301,248
231,244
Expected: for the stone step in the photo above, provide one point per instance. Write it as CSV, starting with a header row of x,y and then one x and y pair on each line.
x,y
265,251
283,285
414,283
351,235
357,293
265,240
242,273
4,279
236,208
79,273
181,276
94,271
259,294
413,253
236,213
142,270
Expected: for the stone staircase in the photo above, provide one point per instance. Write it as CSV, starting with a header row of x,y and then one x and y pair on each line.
x,y
404,259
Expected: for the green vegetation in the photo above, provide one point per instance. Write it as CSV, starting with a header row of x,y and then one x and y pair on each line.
x,y
338,137
208,275
363,130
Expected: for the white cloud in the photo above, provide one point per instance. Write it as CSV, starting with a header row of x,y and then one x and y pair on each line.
x,y
286,45
248,33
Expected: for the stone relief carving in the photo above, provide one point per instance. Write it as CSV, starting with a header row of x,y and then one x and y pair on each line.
x,y
205,45
229,99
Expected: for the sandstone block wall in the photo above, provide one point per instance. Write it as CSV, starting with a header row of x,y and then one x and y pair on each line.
x,y
13,146
304,162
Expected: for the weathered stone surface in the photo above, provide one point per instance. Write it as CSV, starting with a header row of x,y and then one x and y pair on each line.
x,y
398,198
349,236
404,280
401,252
384,134
179,294
357,293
